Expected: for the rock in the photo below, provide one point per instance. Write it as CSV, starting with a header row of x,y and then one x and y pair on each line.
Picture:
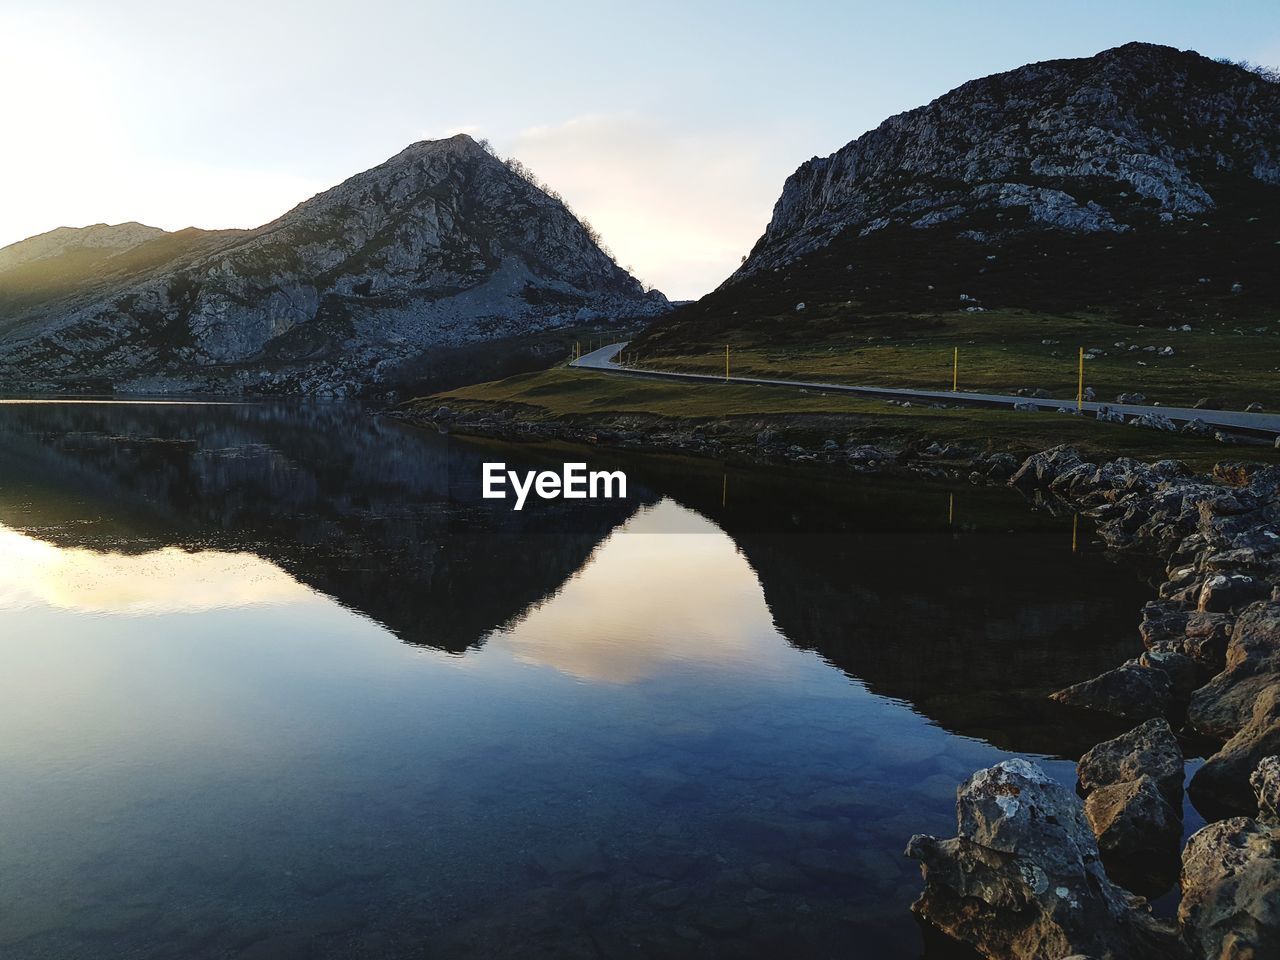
x,y
1183,672
1253,408
1131,398
1154,421
1222,784
1230,908
778,877
827,867
1023,880
867,455
1090,393
1026,407
1039,469
1149,749
1107,415
1001,466
1162,622
1224,593
1207,636
1130,690
1134,821
1196,427
576,860
1252,662
724,920
1133,801
1265,781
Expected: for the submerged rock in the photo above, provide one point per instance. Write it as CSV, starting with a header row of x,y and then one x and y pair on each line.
x,y
1024,880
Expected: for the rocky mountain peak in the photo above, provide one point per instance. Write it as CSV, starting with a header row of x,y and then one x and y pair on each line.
x,y
441,246
1135,136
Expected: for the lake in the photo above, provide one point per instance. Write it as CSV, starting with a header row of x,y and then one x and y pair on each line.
x,y
275,682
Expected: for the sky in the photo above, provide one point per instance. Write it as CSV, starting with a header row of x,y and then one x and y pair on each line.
x,y
671,126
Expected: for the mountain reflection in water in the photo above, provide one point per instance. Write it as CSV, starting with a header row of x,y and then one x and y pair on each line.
x,y
604,730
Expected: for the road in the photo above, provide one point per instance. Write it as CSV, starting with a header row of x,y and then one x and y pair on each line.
x,y
1234,421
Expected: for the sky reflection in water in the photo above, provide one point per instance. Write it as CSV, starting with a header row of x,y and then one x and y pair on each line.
x,y
638,737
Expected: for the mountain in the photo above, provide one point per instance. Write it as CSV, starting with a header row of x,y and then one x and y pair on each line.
x,y
441,248
1143,179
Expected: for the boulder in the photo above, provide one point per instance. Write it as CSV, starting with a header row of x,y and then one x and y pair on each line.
x,y
1039,469
1222,784
1149,749
1230,907
1134,823
1154,421
1183,671
1207,636
1130,690
1001,466
1265,781
1252,662
1163,621
1224,593
1024,880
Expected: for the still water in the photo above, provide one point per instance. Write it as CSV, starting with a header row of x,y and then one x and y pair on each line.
x,y
276,683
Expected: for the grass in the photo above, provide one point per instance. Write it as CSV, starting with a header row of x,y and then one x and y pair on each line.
x,y
1232,363
581,396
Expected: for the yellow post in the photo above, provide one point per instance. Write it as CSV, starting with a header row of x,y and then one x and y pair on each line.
x,y
1075,535
1080,387
724,490
955,370
951,509
726,363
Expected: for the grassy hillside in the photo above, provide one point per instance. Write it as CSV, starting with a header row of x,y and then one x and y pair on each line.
x,y
890,308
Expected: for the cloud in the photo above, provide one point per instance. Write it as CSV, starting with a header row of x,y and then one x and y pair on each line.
x,y
682,206
602,626
169,580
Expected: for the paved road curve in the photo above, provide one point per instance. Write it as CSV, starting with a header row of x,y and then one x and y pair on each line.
x,y
1257,424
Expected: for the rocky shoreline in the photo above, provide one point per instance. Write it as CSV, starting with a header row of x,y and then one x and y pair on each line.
x,y
1039,871
1035,872
766,439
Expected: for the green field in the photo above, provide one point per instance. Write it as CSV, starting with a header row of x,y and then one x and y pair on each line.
x,y
585,398
1230,363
